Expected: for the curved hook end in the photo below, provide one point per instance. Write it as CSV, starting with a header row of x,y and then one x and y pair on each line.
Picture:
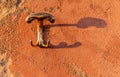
x,y
52,19
34,45
42,45
46,45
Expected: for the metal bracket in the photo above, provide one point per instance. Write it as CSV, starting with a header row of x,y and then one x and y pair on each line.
x,y
40,17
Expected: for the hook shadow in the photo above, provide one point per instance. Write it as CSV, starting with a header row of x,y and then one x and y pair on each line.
x,y
86,22
65,45
82,23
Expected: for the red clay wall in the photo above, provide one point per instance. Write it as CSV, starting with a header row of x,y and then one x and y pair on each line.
x,y
85,38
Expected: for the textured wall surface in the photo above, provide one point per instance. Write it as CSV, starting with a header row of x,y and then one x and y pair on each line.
x,y
85,39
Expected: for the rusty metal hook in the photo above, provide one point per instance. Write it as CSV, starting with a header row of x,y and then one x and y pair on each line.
x,y
40,17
